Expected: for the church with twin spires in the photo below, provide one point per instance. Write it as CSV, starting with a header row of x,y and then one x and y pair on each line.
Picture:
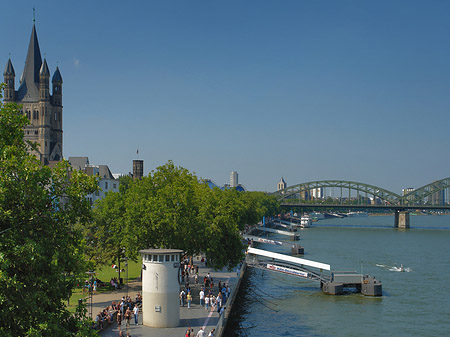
x,y
44,110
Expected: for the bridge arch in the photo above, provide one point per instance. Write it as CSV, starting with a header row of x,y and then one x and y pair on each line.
x,y
382,194
424,195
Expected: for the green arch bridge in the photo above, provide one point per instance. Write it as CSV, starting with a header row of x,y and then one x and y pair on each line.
x,y
361,195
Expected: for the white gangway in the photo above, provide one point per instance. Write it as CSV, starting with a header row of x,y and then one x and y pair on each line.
x,y
287,258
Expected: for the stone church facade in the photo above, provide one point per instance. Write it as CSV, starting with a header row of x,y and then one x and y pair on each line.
x,y
44,110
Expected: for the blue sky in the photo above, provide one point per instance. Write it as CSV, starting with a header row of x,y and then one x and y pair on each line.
x,y
307,90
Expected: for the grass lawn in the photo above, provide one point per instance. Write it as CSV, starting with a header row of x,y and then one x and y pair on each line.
x,y
105,274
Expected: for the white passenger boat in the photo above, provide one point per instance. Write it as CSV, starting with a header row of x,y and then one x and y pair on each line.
x,y
305,221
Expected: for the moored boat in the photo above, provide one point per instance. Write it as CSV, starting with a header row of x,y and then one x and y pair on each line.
x,y
305,221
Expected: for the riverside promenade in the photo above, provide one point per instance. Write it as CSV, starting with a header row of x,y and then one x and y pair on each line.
x,y
195,317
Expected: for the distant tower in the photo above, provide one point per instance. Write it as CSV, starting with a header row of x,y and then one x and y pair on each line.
x,y
138,169
43,110
233,179
281,184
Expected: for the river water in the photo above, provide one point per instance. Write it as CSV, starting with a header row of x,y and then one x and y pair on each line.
x,y
414,303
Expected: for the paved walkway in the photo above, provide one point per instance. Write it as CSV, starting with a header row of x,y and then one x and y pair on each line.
x,y
195,317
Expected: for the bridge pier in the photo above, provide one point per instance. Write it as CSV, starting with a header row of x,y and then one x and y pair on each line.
x,y
401,219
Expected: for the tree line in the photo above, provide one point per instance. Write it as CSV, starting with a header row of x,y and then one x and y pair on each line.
x,y
173,208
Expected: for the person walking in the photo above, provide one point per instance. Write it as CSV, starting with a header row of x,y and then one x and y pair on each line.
x,y
128,317
207,302
119,319
136,314
182,295
202,297
189,299
201,333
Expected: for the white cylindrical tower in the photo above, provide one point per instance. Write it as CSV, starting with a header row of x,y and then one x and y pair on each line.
x,y
160,287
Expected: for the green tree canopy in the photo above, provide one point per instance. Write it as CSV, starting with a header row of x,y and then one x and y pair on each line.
x,y
172,208
41,247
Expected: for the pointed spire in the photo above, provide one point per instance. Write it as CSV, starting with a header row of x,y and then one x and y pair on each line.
x,y
44,69
30,82
57,78
9,69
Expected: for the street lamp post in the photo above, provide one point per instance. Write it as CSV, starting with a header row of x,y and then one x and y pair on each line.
x,y
90,273
126,265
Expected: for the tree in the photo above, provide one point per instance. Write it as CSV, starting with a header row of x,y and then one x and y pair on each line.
x,y
171,208
41,245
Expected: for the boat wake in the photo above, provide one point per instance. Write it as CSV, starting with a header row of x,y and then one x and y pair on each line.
x,y
394,268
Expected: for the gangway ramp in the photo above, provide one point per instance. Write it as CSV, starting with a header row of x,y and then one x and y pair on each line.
x,y
291,259
333,283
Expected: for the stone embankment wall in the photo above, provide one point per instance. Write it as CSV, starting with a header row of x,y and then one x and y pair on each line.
x,y
220,327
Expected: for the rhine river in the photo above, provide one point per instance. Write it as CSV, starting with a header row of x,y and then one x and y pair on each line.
x,y
414,303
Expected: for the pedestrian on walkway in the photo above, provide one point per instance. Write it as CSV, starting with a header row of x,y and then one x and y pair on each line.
x,y
207,302
128,317
211,333
182,295
119,319
212,300
202,297
189,299
136,314
201,333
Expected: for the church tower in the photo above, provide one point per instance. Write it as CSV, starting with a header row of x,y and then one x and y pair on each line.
x,y
44,111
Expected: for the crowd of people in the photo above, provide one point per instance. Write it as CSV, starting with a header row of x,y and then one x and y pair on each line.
x,y
123,310
201,333
212,296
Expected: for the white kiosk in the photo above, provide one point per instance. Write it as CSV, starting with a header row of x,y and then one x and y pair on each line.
x,y
160,287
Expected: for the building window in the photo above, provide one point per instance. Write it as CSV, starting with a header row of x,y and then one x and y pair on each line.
x,y
114,185
55,116
155,258
167,258
106,185
172,257
161,258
